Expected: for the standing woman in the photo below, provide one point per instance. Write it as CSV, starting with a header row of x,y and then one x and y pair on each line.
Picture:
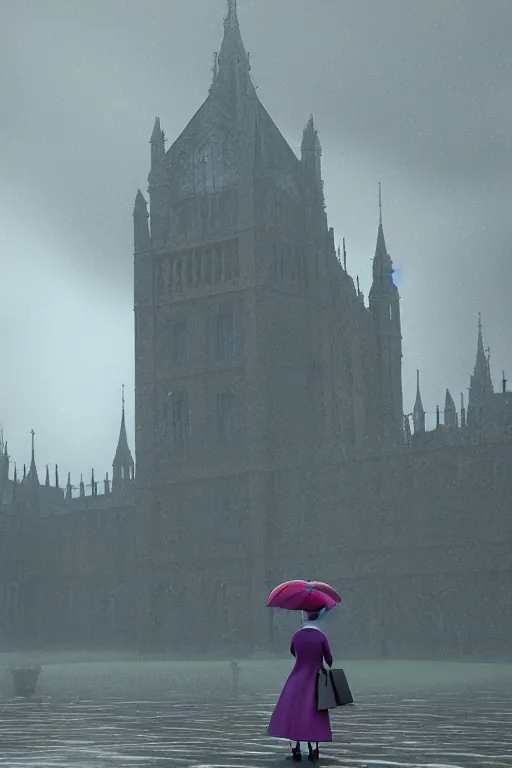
x,y
296,717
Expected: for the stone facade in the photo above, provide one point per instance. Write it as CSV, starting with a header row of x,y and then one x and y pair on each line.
x,y
270,436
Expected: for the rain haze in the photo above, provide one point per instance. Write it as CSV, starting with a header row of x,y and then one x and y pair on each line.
x,y
257,221
413,95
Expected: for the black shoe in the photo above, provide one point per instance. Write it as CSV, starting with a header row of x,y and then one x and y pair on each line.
x,y
296,754
314,755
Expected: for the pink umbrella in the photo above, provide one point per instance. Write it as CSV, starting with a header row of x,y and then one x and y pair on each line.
x,y
301,595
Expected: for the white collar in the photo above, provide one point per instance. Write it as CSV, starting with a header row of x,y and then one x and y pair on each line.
x,y
311,625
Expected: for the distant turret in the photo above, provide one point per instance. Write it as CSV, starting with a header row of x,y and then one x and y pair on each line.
x,y
418,414
232,79
32,482
311,156
140,224
4,469
450,411
481,389
159,187
157,142
123,465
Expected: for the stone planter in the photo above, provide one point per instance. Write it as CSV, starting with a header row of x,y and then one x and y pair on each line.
x,y
25,680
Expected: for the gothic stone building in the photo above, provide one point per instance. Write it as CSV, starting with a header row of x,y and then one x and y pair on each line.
x,y
270,436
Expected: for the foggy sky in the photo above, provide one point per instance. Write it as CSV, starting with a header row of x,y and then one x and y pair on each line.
x,y
416,95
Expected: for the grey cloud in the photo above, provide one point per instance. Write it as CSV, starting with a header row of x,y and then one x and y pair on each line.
x,y
414,94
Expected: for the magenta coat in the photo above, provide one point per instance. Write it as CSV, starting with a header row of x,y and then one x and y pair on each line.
x,y
296,717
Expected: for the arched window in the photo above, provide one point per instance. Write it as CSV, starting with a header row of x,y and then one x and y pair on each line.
x,y
209,168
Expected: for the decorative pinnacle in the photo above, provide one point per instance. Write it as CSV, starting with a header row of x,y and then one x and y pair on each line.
x,y
232,17
418,394
380,204
157,132
122,398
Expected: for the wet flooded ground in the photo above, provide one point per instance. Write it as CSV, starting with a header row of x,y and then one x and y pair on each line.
x,y
447,730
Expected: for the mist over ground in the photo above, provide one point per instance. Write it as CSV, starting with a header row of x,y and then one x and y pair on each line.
x,y
102,676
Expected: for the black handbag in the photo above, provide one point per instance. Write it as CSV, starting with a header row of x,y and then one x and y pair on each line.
x,y
333,689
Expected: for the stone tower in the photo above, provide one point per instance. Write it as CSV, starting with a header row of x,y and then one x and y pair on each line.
x,y
255,357
384,302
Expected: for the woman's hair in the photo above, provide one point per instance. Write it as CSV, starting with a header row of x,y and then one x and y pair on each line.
x,y
317,615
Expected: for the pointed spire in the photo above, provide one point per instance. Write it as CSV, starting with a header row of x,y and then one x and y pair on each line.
x,y
69,489
32,475
141,207
450,411
56,476
32,460
157,142
32,479
383,283
231,19
82,486
123,465
311,159
381,251
481,359
47,480
462,411
24,472
418,414
438,417
310,140
156,135
481,388
141,238
232,72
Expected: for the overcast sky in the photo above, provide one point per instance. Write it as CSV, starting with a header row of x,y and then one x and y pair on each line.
x,y
416,95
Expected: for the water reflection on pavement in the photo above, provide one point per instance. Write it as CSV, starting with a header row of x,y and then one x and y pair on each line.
x,y
443,731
